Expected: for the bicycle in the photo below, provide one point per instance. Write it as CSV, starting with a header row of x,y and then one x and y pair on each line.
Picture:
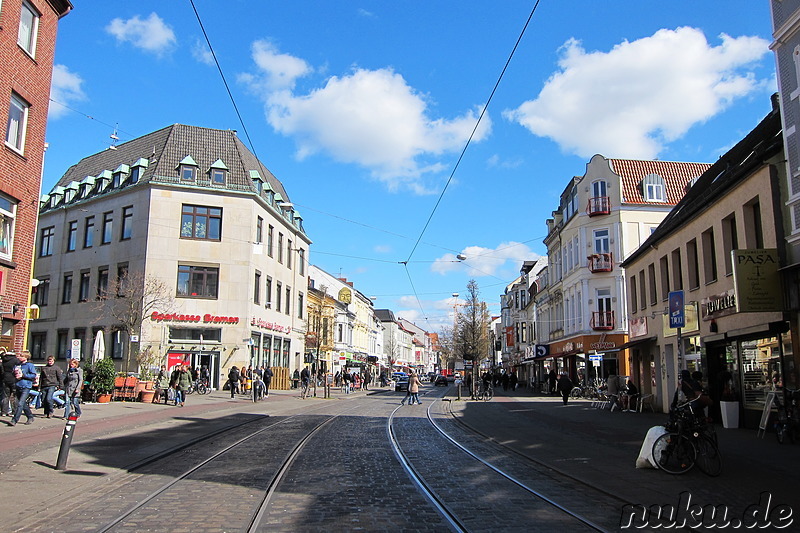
x,y
689,441
305,388
485,393
200,387
257,389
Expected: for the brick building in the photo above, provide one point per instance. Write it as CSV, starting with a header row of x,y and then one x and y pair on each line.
x,y
27,45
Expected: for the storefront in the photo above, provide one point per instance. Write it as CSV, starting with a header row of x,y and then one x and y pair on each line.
x,y
575,357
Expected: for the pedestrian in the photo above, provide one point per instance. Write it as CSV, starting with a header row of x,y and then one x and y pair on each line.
x,y
367,379
50,379
413,389
305,378
512,381
505,379
346,378
267,380
295,378
162,385
382,378
25,374
564,387
551,378
73,385
233,381
182,384
7,381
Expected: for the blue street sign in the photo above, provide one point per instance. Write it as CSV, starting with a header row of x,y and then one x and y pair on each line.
x,y
677,315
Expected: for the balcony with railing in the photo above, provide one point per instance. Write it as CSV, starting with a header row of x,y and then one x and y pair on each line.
x,y
601,262
599,205
603,320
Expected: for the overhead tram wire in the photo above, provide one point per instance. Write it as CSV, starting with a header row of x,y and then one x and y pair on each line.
x,y
472,134
224,81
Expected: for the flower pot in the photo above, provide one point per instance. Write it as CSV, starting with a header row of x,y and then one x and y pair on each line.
x,y
104,397
147,396
730,414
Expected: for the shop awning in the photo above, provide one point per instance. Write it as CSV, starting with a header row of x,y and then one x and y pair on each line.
x,y
629,344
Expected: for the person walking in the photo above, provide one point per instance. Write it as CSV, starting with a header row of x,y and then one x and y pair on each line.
x,y
233,381
73,385
7,381
268,373
551,378
346,377
25,374
182,384
50,378
564,387
413,389
162,385
367,379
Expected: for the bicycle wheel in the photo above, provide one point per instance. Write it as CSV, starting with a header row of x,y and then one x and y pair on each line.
x,y
200,388
576,392
674,453
489,394
708,458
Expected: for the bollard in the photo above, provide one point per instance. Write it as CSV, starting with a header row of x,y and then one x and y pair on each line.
x,y
66,441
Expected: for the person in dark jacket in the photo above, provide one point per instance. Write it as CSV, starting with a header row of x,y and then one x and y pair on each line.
x,y
267,380
233,381
7,381
25,374
551,377
564,387
50,378
182,384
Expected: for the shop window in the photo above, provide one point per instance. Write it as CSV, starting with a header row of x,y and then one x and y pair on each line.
x,y
197,281
201,222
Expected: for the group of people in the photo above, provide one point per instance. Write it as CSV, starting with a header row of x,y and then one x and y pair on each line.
x,y
352,381
174,385
53,387
241,379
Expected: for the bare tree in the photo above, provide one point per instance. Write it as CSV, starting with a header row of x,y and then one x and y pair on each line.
x,y
129,301
472,330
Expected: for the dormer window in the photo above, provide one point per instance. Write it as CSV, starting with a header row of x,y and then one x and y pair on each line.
x,y
653,188
187,169
135,171
116,180
218,173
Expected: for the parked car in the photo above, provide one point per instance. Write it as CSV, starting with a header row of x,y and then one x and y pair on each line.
x,y
400,381
440,380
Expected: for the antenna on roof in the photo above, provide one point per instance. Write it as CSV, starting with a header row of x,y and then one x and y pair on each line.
x,y
114,138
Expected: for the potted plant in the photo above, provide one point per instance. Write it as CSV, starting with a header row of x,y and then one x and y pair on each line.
x,y
103,374
729,403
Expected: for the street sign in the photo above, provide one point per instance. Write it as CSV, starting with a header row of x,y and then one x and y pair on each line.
x,y
677,314
75,351
542,350
595,357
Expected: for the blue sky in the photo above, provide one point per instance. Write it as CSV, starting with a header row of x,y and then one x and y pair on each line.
x,y
362,110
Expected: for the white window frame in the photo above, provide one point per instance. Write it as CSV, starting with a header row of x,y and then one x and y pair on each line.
x,y
599,189
602,241
27,37
654,188
17,124
8,216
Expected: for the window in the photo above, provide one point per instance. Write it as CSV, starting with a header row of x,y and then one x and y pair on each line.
x,y
301,267
634,298
218,176
664,267
28,26
199,222
642,289
42,293
66,289
122,279
280,247
300,305
108,226
38,342
677,272
694,267
135,175
88,232
709,256
270,232
754,238
257,288
188,172
127,223
651,274
8,213
259,229
72,235
62,344
268,293
197,281
278,289
289,254
84,288
117,345
17,123
602,243
653,188
288,300
46,238
102,282
730,241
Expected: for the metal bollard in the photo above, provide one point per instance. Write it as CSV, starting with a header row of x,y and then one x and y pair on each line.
x,y
66,442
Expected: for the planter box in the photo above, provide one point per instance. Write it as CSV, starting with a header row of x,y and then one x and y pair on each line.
x,y
730,414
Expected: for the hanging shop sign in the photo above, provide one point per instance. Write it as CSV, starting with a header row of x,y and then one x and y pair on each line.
x,y
756,280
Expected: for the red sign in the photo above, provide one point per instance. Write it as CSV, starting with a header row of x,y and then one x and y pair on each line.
x,y
207,318
269,325
175,359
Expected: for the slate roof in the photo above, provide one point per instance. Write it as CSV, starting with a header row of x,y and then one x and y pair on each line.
x,y
676,176
385,315
167,147
749,154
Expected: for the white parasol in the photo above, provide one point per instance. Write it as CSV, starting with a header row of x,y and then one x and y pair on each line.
x,y
99,348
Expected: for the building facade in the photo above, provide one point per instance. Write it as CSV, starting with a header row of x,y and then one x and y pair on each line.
x,y
190,215
603,216
27,48
721,249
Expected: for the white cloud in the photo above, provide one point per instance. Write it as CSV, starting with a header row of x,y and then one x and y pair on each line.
x,y
371,118
632,100
65,88
482,261
382,249
150,34
201,53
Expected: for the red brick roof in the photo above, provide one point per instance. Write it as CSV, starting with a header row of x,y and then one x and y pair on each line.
x,y
676,176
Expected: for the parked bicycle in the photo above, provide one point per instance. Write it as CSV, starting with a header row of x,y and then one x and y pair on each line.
x,y
258,389
200,387
690,440
589,391
484,393
788,423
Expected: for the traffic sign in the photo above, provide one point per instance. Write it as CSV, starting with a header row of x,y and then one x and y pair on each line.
x,y
677,314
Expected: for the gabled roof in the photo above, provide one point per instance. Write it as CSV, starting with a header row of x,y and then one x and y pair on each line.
x,y
676,176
